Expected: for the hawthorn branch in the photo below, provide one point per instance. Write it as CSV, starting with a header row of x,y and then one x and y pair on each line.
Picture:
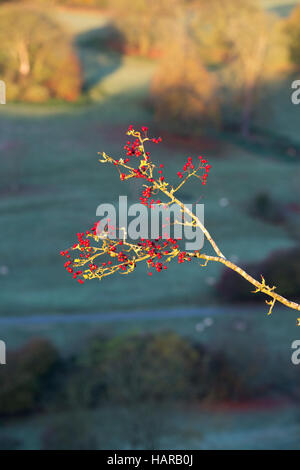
x,y
155,254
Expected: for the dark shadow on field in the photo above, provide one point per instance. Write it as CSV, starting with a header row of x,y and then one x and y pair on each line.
x,y
99,38
96,58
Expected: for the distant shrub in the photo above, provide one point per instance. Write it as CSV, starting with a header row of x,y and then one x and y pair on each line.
x,y
281,268
214,377
263,207
21,380
36,59
128,369
159,368
185,96
146,367
140,372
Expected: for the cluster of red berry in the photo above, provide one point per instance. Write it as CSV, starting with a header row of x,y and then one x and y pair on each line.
x,y
84,246
158,249
146,195
68,265
132,149
190,169
157,253
182,257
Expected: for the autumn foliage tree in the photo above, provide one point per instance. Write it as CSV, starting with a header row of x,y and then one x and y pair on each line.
x,y
184,93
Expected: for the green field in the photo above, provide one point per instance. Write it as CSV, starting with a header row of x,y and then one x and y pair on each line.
x,y
183,427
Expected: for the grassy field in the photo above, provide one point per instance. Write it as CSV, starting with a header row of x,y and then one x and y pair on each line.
x,y
179,428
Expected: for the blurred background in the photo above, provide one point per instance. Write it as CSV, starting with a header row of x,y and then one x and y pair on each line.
x,y
188,359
